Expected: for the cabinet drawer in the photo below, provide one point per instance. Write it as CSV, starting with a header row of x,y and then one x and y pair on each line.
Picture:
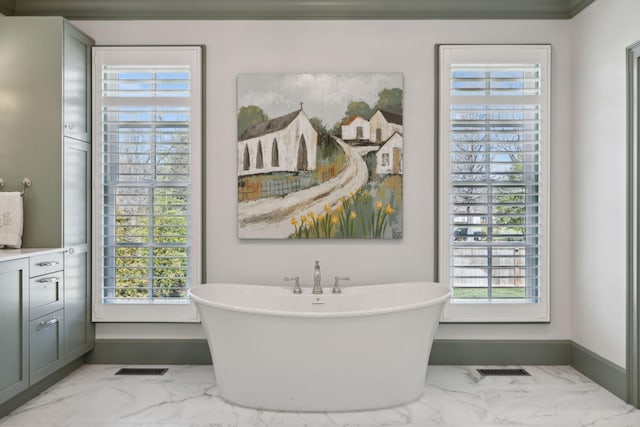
x,y
45,264
45,340
45,294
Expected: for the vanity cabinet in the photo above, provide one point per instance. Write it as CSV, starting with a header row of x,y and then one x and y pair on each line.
x,y
45,345
45,117
14,327
46,315
46,284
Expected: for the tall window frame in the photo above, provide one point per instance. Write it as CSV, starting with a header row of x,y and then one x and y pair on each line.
x,y
493,181
147,128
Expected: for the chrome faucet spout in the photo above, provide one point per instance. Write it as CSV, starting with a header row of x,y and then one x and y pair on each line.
x,y
317,287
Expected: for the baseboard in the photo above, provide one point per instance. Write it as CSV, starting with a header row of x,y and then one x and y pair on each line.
x,y
150,351
500,352
443,352
600,370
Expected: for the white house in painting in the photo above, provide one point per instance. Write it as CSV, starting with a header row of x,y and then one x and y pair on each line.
x,y
285,144
389,156
383,124
356,128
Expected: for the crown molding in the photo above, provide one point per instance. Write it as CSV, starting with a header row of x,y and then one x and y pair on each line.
x,y
295,9
577,6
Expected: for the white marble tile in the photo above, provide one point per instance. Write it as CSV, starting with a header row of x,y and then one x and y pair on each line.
x,y
454,396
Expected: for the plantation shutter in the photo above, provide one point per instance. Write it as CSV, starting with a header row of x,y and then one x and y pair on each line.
x,y
494,145
149,206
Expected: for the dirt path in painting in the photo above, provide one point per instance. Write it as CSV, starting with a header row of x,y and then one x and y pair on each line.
x,y
271,218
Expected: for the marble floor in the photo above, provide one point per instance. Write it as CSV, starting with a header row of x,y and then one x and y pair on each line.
x,y
454,396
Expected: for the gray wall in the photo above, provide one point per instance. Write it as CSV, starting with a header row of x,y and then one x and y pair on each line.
x,y
601,34
234,47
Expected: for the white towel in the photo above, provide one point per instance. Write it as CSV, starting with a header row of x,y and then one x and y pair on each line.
x,y
11,219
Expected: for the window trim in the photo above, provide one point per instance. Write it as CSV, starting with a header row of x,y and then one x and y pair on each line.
x,y
151,312
478,312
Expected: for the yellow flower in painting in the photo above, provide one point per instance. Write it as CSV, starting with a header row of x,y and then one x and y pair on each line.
x,y
320,217
334,219
388,210
339,208
327,207
341,199
294,222
310,214
351,194
353,215
303,219
378,204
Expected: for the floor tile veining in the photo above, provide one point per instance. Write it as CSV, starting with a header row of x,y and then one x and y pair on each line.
x,y
454,396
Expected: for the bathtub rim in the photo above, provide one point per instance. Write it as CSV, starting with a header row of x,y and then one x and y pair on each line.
x,y
309,314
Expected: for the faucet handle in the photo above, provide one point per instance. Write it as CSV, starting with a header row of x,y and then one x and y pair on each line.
x,y
296,288
336,286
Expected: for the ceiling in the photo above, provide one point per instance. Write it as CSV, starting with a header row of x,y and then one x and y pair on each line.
x,y
295,9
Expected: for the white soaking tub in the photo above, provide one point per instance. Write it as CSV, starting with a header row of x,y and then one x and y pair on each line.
x,y
365,348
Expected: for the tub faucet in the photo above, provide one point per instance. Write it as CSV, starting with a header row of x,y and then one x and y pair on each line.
x,y
296,288
317,288
336,286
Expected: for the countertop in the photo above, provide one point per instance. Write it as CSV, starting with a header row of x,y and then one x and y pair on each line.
x,y
11,254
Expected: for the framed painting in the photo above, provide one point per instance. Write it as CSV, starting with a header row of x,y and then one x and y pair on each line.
x,y
319,156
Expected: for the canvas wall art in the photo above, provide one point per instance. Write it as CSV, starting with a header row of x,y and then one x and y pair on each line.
x,y
320,156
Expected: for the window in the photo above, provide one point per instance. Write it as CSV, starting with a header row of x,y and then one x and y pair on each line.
x,y
494,180
385,159
147,122
275,157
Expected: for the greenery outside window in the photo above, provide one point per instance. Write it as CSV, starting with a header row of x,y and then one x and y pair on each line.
x,y
147,118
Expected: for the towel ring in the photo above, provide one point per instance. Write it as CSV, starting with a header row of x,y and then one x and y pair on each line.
x,y
1,182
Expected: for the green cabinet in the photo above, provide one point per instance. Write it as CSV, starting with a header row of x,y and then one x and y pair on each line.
x,y
77,84
46,315
14,330
46,136
45,346
46,82
79,331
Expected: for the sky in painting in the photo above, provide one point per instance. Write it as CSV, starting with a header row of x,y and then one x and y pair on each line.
x,y
325,96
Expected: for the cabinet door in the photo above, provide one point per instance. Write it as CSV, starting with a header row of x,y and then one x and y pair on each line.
x,y
78,330
45,339
14,330
77,88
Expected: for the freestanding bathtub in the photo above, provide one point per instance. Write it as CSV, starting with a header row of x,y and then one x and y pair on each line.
x,y
366,348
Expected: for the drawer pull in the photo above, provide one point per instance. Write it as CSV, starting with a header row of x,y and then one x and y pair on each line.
x,y
47,263
48,280
50,322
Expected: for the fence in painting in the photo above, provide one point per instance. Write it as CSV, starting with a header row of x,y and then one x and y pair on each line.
x,y
255,188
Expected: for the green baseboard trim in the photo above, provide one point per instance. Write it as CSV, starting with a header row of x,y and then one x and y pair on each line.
x,y
443,352
25,396
600,370
499,352
150,352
